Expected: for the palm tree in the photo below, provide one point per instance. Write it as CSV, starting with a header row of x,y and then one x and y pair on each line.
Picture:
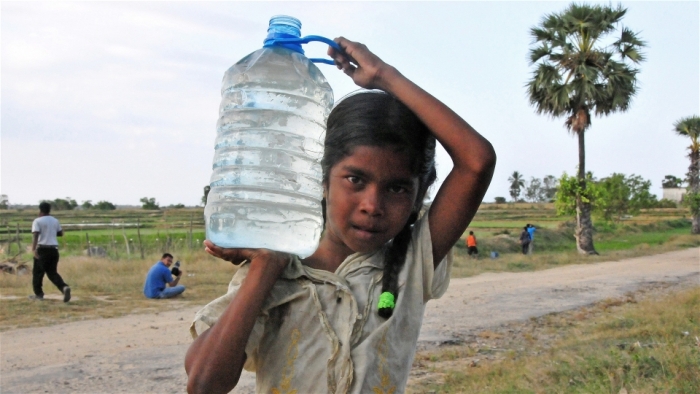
x,y
577,75
517,182
690,127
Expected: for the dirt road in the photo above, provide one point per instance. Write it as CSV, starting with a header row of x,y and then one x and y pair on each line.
x,y
145,353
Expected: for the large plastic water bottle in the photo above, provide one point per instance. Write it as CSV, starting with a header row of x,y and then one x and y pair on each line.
x,y
266,183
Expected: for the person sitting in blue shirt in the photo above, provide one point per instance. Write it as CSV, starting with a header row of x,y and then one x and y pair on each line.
x,y
158,276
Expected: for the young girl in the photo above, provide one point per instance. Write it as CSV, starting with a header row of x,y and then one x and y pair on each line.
x,y
347,318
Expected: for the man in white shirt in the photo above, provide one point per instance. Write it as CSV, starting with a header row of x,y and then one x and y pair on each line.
x,y
45,229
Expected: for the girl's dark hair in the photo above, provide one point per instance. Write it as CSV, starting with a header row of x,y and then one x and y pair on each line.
x,y
375,118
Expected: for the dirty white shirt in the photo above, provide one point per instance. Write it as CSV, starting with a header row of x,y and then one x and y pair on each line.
x,y
319,331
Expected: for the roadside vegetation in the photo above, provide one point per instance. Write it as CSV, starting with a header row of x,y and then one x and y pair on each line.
x,y
616,346
110,285
497,228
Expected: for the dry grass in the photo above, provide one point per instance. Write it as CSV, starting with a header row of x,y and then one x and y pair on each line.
x,y
107,288
617,346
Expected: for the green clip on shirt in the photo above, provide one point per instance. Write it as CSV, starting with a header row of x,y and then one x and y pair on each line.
x,y
319,332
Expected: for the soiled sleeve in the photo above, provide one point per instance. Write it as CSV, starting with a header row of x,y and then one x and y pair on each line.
x,y
435,279
210,314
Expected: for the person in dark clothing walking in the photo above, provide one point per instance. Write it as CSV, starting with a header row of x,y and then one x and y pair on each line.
x,y
525,240
45,229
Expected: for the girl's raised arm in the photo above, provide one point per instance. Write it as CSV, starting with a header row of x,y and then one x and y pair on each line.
x,y
461,193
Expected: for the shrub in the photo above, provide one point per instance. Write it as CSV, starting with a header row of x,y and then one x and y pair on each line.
x,y
666,203
149,203
104,206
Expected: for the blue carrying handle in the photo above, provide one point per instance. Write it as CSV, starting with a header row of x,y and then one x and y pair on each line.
x,y
306,40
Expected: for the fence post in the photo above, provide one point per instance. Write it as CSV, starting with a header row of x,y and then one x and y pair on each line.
x,y
168,241
114,244
9,239
191,217
19,243
126,241
138,231
89,249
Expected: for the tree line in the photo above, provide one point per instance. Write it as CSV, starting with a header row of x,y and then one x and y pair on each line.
x,y
69,204
535,190
613,197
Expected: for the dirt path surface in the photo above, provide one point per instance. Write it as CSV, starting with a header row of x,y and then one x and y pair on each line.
x,y
145,353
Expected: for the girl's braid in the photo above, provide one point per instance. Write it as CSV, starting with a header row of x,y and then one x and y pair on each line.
x,y
393,262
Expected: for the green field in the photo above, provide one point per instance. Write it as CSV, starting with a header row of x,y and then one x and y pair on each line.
x,y
99,282
497,227
173,230
125,233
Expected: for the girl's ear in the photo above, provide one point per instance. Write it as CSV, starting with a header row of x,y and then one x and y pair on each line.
x,y
323,202
417,207
414,216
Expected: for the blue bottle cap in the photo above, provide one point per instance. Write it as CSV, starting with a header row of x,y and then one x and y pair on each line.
x,y
285,31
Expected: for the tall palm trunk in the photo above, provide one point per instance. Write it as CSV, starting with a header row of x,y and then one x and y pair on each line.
x,y
694,185
584,225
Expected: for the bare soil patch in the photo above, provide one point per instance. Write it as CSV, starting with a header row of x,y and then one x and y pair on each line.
x,y
143,353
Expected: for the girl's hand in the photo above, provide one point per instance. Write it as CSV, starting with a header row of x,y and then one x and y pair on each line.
x,y
364,67
268,258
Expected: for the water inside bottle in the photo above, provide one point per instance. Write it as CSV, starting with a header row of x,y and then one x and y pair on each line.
x,y
266,180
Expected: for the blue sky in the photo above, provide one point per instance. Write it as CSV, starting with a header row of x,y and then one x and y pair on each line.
x,y
118,100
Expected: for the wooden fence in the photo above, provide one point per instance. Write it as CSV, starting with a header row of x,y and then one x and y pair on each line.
x,y
117,239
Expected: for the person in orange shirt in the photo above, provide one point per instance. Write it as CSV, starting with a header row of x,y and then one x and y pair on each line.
x,y
471,245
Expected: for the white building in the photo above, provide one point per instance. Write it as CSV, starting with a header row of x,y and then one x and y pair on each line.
x,y
674,193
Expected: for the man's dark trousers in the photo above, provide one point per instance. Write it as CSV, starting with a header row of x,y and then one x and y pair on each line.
x,y
47,263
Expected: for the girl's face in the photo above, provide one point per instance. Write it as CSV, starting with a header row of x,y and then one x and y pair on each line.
x,y
369,196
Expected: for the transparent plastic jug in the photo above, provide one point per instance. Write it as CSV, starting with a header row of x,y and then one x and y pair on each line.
x,y
266,181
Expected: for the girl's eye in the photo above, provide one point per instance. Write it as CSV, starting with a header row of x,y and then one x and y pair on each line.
x,y
398,189
354,179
